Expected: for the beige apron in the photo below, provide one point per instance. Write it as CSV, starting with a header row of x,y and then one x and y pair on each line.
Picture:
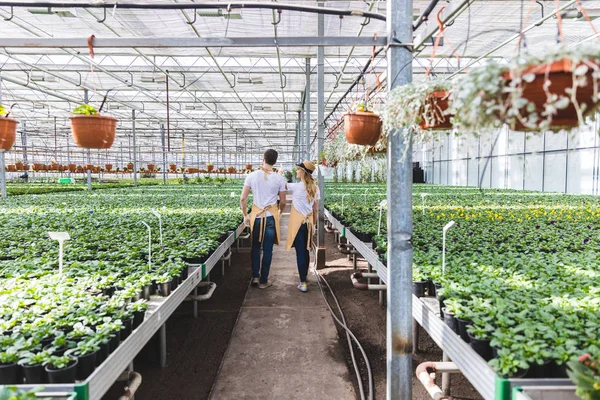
x,y
296,221
262,212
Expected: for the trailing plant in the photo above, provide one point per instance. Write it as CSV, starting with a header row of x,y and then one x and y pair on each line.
x,y
85,109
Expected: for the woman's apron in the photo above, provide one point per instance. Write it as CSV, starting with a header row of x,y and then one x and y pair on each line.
x,y
296,221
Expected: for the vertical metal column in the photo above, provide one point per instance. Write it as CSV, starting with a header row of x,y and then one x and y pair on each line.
x,y
164,154
89,157
24,143
163,344
307,103
2,174
399,216
135,164
301,150
320,138
198,155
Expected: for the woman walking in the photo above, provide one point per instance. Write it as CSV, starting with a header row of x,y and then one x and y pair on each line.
x,y
303,218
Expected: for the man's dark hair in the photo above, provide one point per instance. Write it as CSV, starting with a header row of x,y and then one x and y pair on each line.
x,y
271,156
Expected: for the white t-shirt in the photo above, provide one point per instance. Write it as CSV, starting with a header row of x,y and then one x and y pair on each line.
x,y
300,198
265,192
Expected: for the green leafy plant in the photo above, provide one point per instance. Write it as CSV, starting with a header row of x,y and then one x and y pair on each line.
x,y
60,362
85,109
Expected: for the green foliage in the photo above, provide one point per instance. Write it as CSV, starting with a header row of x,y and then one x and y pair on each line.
x,y
14,393
60,362
85,109
585,373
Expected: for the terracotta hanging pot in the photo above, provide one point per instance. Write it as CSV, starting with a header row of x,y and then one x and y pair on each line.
x,y
130,166
108,167
438,102
38,167
8,132
151,167
210,168
173,167
12,168
560,76
248,166
93,131
20,166
362,128
72,167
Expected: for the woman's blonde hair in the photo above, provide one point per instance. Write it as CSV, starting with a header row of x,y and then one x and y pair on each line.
x,y
309,184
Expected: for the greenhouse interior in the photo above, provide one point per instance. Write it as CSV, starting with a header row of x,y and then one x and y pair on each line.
x,y
344,199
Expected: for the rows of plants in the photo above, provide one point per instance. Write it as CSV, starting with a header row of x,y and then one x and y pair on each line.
x,y
521,281
59,328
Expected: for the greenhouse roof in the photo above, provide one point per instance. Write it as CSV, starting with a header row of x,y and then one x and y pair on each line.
x,y
249,97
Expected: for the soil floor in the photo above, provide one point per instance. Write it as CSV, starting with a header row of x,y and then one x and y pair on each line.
x,y
196,346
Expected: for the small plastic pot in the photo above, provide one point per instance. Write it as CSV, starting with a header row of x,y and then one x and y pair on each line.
x,y
418,288
138,318
114,341
10,374
86,365
430,288
462,329
481,347
165,288
450,320
146,292
540,371
34,374
127,328
183,275
442,306
58,352
174,283
556,370
103,353
65,375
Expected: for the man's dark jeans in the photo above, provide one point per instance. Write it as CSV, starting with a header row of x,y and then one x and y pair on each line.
x,y
267,249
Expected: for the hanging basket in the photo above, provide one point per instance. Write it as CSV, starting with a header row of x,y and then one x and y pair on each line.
x,y
72,167
362,128
173,167
210,168
248,167
130,166
560,76
20,166
12,168
438,104
93,131
8,132
108,167
151,167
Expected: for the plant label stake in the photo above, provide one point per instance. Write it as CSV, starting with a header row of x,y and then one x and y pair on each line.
x,y
365,195
159,225
381,205
61,237
448,226
423,195
344,195
149,245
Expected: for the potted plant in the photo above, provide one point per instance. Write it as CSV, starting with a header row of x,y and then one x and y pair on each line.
x,y
10,371
151,167
231,169
61,369
11,168
108,167
585,373
32,364
210,167
249,167
130,166
139,311
19,165
173,167
92,130
85,351
420,106
8,129
361,125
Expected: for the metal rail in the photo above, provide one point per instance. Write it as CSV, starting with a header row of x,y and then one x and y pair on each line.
x,y
159,311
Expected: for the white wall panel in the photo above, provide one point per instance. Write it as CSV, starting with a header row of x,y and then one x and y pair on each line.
x,y
533,171
581,171
554,172
515,172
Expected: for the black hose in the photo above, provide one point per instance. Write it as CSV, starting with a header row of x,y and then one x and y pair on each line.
x,y
349,334
425,16
195,6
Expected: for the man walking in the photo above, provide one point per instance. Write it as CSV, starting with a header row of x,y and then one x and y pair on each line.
x,y
266,186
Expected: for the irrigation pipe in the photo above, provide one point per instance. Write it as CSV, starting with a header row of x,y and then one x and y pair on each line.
x,y
349,335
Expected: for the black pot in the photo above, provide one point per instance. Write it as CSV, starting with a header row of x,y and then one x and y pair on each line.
x,y
138,318
65,375
46,341
450,320
165,288
58,352
174,283
462,329
114,341
127,328
223,237
10,374
86,365
481,347
442,306
541,371
108,291
103,353
34,374
520,373
430,288
154,288
556,370
146,292
137,297
418,288
183,275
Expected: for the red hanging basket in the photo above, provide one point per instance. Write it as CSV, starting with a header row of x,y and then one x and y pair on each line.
x,y
93,131
108,167
8,132
439,103
560,75
362,128
210,168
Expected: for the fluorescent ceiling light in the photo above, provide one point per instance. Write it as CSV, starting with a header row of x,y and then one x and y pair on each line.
x,y
40,76
61,12
234,14
39,105
256,80
160,78
261,108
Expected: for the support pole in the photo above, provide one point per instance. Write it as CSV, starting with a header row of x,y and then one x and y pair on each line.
x,y
86,100
320,138
2,174
135,164
163,345
164,154
399,217
307,103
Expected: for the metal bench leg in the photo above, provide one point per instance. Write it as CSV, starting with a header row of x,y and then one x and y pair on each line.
x,y
163,345
195,303
446,378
